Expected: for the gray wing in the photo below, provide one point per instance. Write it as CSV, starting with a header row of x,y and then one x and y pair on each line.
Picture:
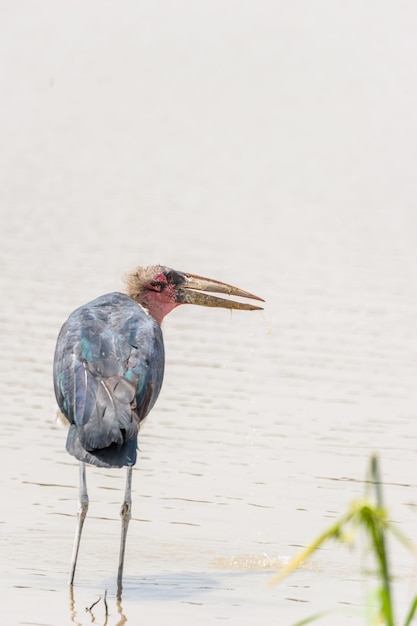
x,y
108,371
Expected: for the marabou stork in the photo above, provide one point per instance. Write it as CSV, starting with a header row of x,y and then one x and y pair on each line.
x,y
108,371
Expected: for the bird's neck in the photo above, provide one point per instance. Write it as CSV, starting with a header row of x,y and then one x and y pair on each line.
x,y
157,307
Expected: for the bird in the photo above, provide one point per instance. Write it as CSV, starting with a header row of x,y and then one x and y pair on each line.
x,y
108,371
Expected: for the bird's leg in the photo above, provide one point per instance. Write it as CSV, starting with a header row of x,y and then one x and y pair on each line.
x,y
81,513
125,514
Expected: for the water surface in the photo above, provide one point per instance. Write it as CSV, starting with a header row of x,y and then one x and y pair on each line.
x,y
272,147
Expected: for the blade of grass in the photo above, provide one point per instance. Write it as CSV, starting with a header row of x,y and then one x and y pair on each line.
x,y
312,618
378,536
334,532
411,612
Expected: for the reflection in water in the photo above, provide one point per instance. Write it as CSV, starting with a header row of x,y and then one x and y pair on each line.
x,y
122,619
73,613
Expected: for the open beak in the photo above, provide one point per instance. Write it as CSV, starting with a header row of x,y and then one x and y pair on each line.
x,y
189,293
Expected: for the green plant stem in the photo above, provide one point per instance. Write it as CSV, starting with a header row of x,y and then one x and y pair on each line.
x,y
380,545
333,532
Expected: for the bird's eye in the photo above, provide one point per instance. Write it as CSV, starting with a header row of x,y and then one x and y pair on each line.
x,y
170,277
174,278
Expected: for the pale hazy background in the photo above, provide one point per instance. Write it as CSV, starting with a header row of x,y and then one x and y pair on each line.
x,y
268,144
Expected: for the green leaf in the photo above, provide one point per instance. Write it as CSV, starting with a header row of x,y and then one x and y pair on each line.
x,y
411,612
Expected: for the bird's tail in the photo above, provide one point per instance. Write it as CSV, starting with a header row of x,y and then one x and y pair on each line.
x,y
114,455
105,428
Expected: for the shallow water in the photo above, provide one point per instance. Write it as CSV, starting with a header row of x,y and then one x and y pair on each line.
x,y
272,147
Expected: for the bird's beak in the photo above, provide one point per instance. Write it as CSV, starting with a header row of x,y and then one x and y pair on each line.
x,y
189,293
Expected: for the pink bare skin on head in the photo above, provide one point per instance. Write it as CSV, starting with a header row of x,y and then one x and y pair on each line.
x,y
161,298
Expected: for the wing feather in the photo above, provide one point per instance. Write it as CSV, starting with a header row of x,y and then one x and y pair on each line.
x,y
108,371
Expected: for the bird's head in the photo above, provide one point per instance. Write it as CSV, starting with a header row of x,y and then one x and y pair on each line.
x,y
160,289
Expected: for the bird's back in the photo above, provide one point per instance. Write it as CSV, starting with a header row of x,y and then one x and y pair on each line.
x,y
108,371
